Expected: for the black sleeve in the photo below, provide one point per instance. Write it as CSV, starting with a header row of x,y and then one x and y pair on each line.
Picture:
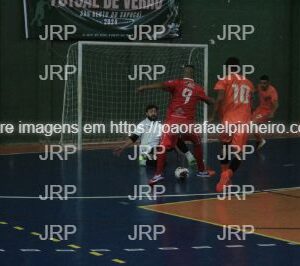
x,y
134,137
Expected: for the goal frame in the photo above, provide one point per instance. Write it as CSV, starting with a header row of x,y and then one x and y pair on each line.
x,y
145,44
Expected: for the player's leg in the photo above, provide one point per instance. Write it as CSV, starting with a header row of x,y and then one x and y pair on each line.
x,y
224,162
198,152
239,140
184,149
260,116
168,141
225,141
260,141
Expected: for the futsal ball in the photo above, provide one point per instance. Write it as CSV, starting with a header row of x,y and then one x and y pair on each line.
x,y
182,173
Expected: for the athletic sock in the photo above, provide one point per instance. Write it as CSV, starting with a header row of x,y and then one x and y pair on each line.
x,y
161,161
235,164
189,156
224,166
199,157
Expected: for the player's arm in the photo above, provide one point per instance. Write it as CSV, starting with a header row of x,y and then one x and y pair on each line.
x,y
220,88
131,140
275,103
153,86
274,108
217,104
209,101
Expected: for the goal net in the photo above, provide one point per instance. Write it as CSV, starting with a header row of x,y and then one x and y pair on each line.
x,y
101,93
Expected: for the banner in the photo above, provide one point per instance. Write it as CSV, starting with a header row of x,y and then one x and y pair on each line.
x,y
102,19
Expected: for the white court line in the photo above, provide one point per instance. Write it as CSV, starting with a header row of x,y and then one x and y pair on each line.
x,y
201,247
100,250
266,245
168,248
134,249
30,250
2,250
65,250
235,246
158,196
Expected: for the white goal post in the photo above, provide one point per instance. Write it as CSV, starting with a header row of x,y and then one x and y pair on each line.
x,y
101,92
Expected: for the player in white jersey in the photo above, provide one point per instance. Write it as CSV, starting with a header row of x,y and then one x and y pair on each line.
x,y
149,131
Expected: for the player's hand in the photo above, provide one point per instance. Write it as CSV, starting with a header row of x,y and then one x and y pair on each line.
x,y
117,151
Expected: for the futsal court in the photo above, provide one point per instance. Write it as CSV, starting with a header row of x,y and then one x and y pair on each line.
x,y
189,210
115,117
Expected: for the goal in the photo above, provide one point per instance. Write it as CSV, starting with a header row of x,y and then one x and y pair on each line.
x,y
101,93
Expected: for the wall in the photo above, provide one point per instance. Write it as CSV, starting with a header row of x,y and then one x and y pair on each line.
x,y
274,49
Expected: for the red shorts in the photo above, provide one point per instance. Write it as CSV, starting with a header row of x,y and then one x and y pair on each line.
x,y
261,115
169,140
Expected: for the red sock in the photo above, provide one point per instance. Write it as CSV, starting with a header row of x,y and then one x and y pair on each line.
x,y
199,157
160,163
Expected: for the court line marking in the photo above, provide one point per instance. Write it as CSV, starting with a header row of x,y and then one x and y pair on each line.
x,y
266,245
73,246
285,195
118,261
219,225
157,196
134,249
147,207
95,253
30,250
100,250
202,247
19,228
168,248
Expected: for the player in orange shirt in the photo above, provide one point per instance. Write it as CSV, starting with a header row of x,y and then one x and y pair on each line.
x,y
233,105
268,104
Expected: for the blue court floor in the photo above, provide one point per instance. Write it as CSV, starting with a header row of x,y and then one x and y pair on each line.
x,y
104,216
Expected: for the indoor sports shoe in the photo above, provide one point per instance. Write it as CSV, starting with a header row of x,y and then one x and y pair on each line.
x,y
154,180
225,180
260,144
206,173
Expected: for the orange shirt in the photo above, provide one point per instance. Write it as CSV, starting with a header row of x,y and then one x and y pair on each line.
x,y
267,97
236,105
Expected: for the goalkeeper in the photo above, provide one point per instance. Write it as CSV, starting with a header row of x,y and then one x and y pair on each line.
x,y
149,132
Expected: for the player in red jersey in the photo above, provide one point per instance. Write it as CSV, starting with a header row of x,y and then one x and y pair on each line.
x,y
268,104
185,95
234,107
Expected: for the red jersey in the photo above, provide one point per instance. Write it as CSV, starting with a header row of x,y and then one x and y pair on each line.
x,y
267,97
186,93
236,106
